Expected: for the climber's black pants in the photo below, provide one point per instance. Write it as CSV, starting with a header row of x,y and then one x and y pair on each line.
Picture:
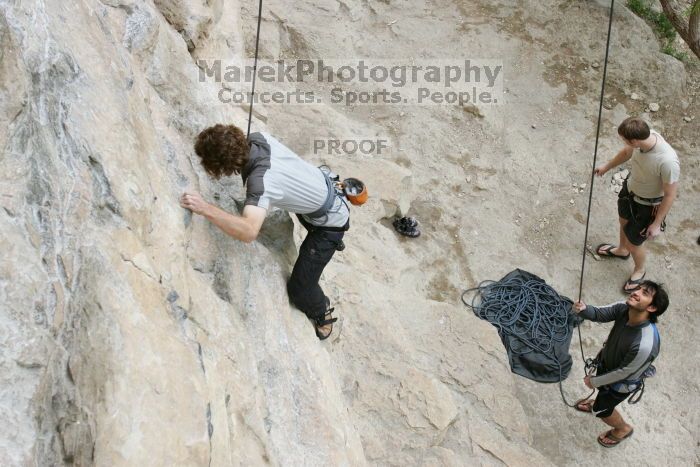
x,y
315,253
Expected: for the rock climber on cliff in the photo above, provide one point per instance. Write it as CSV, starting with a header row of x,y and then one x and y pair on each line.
x,y
626,357
275,176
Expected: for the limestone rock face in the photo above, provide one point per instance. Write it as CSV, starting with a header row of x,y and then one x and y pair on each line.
x,y
131,332
135,333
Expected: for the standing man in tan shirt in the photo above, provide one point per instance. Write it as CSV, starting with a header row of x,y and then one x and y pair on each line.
x,y
646,196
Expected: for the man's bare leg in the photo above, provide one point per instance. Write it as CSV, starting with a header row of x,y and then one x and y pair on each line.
x,y
620,427
622,248
639,255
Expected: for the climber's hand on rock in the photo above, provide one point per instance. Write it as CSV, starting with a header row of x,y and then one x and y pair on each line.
x,y
578,307
193,201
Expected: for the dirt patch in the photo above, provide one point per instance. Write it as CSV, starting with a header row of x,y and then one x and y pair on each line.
x,y
570,71
439,287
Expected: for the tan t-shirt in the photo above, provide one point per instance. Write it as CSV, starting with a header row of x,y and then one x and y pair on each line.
x,y
650,170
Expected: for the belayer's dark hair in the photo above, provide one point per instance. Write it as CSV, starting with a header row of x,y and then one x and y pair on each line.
x,y
634,128
223,150
660,300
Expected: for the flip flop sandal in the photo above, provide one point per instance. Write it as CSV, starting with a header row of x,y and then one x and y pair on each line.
x,y
632,285
588,405
604,250
323,322
608,434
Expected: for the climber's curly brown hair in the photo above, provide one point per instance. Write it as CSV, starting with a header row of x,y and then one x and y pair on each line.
x,y
223,149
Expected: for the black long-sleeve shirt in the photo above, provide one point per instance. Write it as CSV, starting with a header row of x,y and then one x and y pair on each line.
x,y
628,351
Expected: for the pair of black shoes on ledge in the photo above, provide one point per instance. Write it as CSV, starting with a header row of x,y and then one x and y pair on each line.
x,y
407,226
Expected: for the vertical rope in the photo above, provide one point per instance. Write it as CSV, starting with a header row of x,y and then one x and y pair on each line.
x,y
590,199
595,152
255,69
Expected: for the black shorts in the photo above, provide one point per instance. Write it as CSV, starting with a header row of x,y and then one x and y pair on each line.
x,y
638,216
607,400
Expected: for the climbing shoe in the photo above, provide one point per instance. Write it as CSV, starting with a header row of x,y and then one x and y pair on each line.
x,y
407,226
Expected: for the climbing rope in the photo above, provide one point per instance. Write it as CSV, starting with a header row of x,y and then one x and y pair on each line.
x,y
589,364
531,311
255,69
595,151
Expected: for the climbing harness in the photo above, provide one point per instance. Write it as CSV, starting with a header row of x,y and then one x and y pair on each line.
x,y
255,69
330,199
632,199
633,387
334,191
351,188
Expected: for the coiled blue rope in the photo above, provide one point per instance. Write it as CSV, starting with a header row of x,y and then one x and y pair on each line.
x,y
529,310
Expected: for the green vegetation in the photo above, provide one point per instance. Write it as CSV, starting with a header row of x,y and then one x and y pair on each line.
x,y
662,26
669,49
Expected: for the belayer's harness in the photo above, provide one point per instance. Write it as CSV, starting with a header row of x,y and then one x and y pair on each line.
x,y
647,201
633,199
634,387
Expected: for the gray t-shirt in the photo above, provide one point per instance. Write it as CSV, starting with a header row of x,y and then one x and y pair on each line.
x,y
275,177
650,170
